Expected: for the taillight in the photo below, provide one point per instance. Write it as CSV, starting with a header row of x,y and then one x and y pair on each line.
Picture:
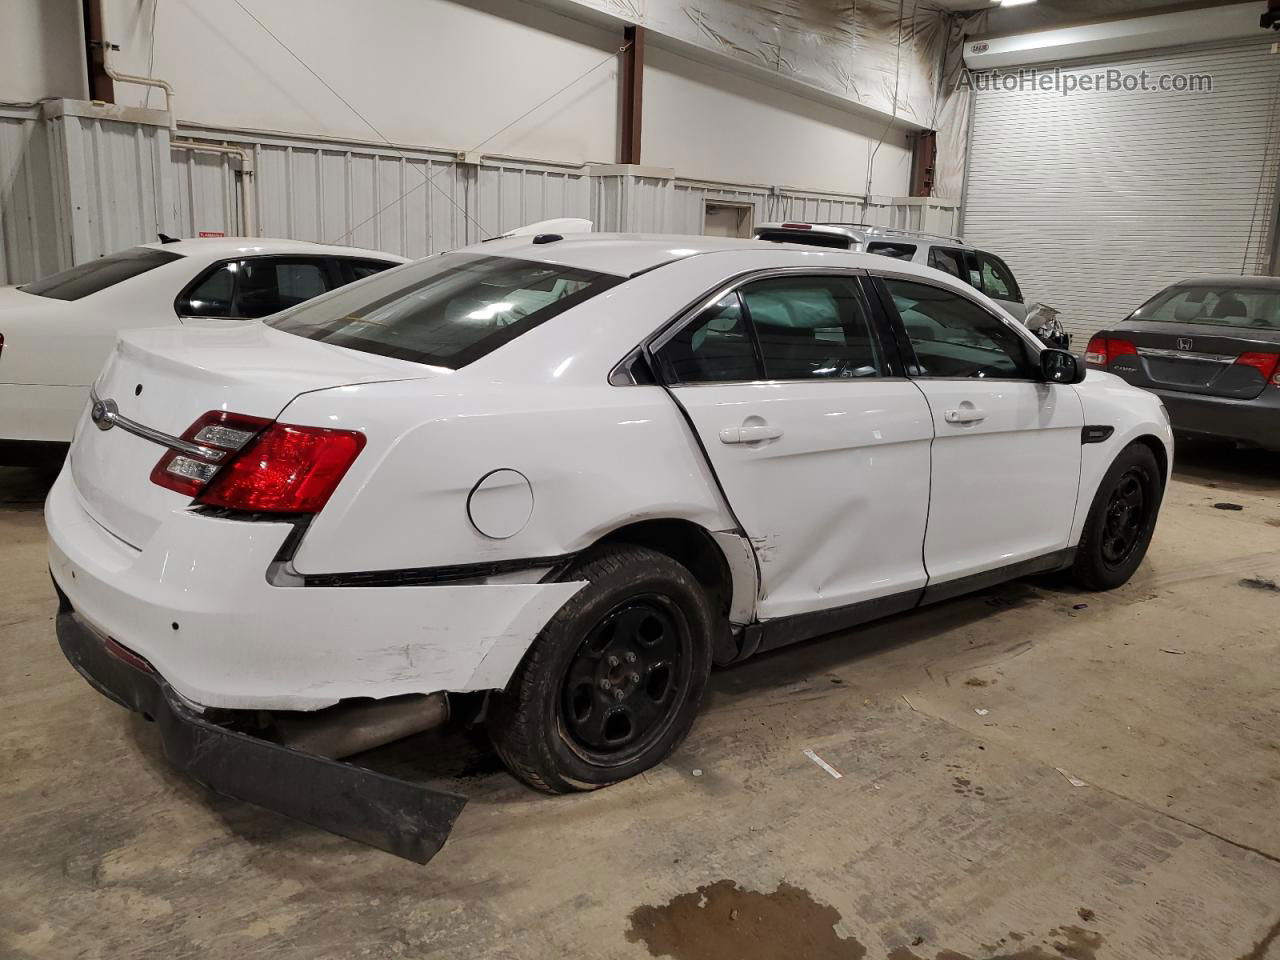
x,y
286,469
1267,364
215,438
248,463
1102,350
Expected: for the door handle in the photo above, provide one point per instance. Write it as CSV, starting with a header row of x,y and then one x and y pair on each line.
x,y
752,433
965,415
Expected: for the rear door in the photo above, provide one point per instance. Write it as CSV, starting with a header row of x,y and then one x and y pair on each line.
x,y
1006,458
819,442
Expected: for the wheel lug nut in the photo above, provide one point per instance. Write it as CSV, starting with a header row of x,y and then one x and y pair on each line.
x,y
617,694
631,657
634,678
604,683
613,661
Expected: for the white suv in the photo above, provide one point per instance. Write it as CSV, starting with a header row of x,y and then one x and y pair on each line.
x,y
574,472
980,269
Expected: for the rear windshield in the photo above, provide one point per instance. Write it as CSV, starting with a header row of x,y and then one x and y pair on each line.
x,y
99,274
1222,305
804,236
446,311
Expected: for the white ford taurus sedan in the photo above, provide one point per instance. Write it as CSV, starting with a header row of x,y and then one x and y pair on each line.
x,y
56,333
575,471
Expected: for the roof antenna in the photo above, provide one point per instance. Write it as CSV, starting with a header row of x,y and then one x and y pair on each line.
x,y
165,238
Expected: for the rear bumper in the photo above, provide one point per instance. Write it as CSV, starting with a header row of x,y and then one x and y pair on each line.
x,y
1255,421
195,602
393,815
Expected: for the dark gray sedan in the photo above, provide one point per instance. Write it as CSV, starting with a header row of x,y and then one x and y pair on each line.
x,y
1210,348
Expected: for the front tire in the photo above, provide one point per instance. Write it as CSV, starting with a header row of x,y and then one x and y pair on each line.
x,y
1121,520
612,684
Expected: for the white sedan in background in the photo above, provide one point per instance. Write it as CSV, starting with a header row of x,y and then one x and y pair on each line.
x,y
569,474
56,333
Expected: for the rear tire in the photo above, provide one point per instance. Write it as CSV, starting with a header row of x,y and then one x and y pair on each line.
x,y
612,684
1121,520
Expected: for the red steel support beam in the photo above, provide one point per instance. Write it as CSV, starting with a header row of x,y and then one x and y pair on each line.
x,y
632,95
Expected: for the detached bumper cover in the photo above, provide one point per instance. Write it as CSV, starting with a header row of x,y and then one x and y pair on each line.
x,y
402,818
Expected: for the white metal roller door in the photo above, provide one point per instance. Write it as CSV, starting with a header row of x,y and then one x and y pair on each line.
x,y
1099,199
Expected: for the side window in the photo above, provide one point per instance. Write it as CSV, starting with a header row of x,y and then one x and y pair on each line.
x,y
213,295
997,280
714,347
899,251
973,272
954,337
367,268
812,328
271,284
948,261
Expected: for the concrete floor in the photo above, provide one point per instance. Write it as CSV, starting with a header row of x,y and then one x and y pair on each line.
x,y
1028,773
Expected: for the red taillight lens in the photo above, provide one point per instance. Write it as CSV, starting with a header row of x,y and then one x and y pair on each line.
x,y
1102,350
219,436
286,469
1267,364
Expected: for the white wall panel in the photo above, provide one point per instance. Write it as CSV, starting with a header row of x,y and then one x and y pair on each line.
x,y
421,71
1098,200
710,123
41,50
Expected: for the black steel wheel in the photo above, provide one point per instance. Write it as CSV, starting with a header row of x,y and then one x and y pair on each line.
x,y
612,684
626,676
1121,520
1125,516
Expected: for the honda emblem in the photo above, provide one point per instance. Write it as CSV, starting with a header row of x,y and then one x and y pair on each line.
x,y
1184,343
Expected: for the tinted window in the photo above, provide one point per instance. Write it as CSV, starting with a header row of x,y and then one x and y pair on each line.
x,y
806,237
948,261
954,337
714,347
811,328
447,310
212,296
1219,305
367,268
899,251
267,285
997,280
99,274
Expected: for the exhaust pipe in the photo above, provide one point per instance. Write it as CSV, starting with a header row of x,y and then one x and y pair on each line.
x,y
350,728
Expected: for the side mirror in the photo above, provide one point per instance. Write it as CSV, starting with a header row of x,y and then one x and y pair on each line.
x,y
1058,366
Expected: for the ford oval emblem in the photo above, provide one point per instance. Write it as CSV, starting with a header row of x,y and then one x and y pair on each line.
x,y
103,414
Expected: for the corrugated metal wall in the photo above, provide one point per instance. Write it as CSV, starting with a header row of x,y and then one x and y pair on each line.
x,y
29,234
652,204
113,174
406,201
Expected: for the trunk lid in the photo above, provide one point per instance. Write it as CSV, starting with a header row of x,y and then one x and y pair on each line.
x,y
165,378
1194,358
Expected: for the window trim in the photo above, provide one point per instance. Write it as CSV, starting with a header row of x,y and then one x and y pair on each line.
x,y
327,261
878,320
907,348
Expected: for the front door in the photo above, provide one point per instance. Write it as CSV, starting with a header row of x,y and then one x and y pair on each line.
x,y
819,443
1006,458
